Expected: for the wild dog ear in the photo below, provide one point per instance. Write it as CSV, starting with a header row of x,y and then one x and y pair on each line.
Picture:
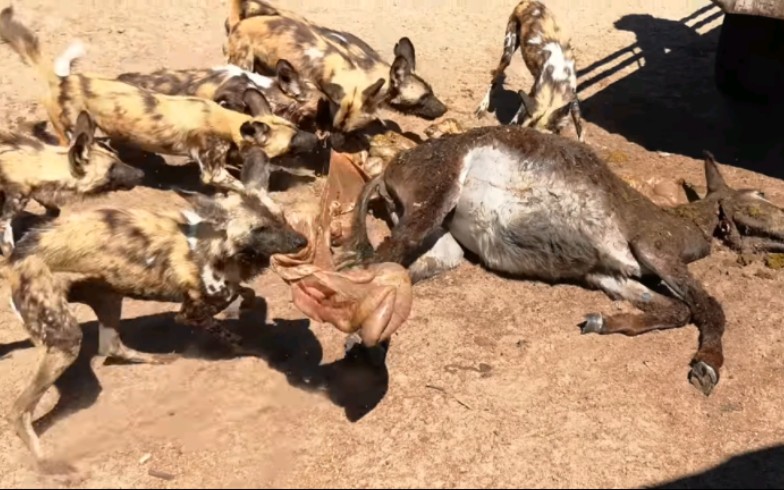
x,y
371,94
256,102
400,71
254,132
405,48
85,124
78,154
334,92
288,79
713,177
255,169
204,208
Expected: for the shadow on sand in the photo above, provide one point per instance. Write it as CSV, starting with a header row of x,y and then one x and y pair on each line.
x,y
357,383
757,469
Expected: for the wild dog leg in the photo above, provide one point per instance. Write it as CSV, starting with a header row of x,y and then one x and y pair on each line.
x,y
511,43
108,310
519,115
200,313
11,206
660,312
706,313
56,329
212,170
574,109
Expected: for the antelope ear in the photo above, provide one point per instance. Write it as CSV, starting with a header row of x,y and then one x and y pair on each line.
x,y
713,177
78,154
256,102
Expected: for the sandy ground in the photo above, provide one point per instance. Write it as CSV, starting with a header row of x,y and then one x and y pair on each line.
x,y
489,383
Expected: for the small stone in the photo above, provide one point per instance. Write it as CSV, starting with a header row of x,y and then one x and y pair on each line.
x,y
144,459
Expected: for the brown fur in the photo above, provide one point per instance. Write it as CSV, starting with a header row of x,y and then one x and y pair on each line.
x,y
574,221
553,97
353,76
54,176
198,258
151,121
289,95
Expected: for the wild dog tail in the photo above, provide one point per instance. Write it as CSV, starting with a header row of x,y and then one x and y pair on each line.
x,y
26,45
360,241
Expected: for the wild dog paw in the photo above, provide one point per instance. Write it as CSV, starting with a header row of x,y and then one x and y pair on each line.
x,y
703,377
594,323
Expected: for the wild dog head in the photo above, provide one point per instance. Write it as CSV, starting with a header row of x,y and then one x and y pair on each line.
x,y
554,94
272,133
747,220
248,226
94,165
288,94
408,92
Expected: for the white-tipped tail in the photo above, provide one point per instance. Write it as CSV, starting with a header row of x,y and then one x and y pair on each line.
x,y
62,65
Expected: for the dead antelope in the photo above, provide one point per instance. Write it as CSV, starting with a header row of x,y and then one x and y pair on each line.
x,y
149,121
289,95
198,257
53,176
548,55
354,77
543,207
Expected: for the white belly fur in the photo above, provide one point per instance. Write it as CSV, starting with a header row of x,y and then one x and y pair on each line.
x,y
511,212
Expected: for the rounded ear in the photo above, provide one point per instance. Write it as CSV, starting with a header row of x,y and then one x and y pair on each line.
x,y
405,48
254,132
84,125
78,154
713,177
255,169
370,94
256,102
204,208
288,79
400,71
334,92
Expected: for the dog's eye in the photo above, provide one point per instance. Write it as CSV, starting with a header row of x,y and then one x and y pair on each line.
x,y
761,194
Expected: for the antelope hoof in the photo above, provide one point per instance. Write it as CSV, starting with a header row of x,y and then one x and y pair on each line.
x,y
594,323
703,377
351,341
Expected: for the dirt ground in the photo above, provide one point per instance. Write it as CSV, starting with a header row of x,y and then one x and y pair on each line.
x,y
489,383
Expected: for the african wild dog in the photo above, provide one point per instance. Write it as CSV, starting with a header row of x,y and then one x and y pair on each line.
x,y
354,77
197,257
290,96
149,121
53,176
547,53
544,207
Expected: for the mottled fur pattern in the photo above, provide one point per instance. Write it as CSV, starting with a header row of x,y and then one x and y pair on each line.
x,y
198,257
543,207
150,121
289,95
53,176
547,53
354,77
